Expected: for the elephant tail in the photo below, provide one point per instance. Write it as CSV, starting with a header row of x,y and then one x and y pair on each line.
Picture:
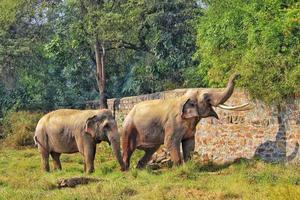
x,y
35,140
40,138
38,131
38,143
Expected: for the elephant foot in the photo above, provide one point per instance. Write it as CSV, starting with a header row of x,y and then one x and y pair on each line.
x,y
57,168
89,171
46,169
123,168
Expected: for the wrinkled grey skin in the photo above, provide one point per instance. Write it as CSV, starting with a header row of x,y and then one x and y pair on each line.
x,y
171,122
71,131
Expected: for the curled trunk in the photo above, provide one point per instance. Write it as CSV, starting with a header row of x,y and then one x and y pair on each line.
x,y
217,98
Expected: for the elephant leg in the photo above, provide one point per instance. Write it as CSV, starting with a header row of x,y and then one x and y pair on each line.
x,y
172,143
126,157
43,149
56,162
174,149
146,158
187,147
45,160
128,144
89,156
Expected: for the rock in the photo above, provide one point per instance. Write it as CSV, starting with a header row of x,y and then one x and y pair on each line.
x,y
73,182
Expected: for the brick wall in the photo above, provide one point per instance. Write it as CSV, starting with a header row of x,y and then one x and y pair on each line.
x,y
243,134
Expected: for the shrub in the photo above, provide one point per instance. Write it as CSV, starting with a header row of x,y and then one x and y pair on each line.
x,y
18,128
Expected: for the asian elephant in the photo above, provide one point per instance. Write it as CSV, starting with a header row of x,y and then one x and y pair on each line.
x,y
70,131
171,122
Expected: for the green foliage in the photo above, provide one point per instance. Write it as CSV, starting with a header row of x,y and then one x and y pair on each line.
x,y
21,32
148,43
19,127
260,39
8,12
170,38
47,56
22,63
47,59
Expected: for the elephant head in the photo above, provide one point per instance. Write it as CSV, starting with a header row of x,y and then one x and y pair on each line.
x,y
200,104
103,127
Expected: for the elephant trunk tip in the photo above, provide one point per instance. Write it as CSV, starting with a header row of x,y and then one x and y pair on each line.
x,y
235,76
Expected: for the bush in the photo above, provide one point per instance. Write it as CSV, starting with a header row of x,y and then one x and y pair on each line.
x,y
18,128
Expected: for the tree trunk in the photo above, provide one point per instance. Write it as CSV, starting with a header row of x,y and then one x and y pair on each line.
x,y
99,54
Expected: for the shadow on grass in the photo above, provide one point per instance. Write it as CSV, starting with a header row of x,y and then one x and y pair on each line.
x,y
213,167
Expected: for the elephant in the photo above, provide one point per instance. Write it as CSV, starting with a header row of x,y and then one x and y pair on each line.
x,y
171,122
70,131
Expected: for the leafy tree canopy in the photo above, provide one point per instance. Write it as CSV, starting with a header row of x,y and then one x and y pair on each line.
x,y
260,39
47,58
47,54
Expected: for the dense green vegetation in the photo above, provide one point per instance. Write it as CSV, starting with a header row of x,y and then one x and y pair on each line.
x,y
47,48
21,178
47,57
260,39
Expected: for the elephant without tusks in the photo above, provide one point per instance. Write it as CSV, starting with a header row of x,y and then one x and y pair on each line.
x,y
71,131
171,122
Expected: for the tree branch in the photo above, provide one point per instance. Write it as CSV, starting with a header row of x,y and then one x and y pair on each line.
x,y
127,45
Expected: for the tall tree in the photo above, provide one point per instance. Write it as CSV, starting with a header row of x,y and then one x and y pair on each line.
x,y
107,25
90,10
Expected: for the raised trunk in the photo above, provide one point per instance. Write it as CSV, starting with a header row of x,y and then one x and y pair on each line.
x,y
115,145
217,98
99,54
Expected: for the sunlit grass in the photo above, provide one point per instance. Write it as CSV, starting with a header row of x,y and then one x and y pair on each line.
x,y
21,178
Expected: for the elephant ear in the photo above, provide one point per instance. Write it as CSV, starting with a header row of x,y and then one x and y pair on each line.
x,y
189,109
89,126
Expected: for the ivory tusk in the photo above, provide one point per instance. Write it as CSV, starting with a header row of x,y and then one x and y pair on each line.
x,y
242,107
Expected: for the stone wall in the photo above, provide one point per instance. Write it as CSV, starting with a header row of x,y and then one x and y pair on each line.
x,y
263,131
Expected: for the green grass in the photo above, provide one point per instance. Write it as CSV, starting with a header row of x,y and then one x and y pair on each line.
x,y
21,178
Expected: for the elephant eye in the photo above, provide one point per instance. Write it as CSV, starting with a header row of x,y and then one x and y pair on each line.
x,y
192,103
106,126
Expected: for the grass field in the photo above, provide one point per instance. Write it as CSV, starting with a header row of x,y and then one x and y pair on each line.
x,y
21,178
